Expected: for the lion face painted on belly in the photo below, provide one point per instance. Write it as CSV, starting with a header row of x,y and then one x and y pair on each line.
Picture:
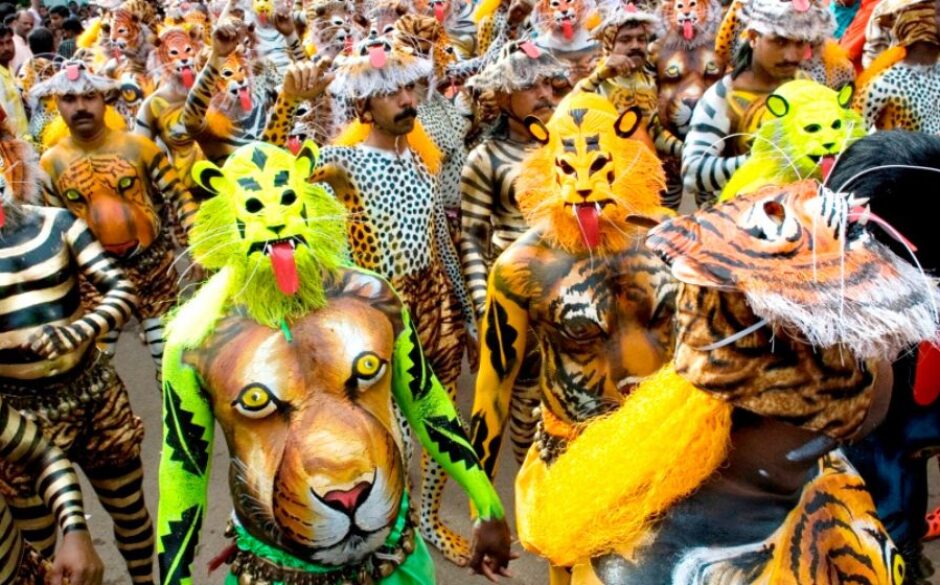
x,y
315,459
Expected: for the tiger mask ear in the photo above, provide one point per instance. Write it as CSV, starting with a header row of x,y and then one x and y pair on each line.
x,y
210,177
628,122
845,95
777,105
307,158
537,130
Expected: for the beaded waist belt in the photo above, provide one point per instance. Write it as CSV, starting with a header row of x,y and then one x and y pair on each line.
x,y
57,396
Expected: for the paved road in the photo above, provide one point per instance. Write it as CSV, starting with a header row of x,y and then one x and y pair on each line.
x,y
135,367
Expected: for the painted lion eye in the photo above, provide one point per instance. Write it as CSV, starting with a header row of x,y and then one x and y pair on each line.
x,y
288,197
813,128
837,124
255,401
565,167
253,205
368,367
73,195
598,164
125,183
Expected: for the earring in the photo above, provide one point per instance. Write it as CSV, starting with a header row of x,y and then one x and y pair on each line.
x,y
367,117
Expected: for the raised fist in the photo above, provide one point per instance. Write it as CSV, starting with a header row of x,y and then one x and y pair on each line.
x,y
226,37
305,81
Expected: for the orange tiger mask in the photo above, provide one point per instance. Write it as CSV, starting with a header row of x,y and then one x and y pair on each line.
x,y
127,34
805,262
176,52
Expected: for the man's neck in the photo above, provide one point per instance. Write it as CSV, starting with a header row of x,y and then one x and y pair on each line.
x,y
91,140
382,140
921,53
757,79
517,130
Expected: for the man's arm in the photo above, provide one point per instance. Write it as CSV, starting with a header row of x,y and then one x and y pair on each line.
x,y
144,124
502,348
21,441
447,254
118,296
188,428
165,180
476,212
704,170
304,81
225,39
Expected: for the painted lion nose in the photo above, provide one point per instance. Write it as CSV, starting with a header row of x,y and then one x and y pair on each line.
x,y
584,193
348,500
277,229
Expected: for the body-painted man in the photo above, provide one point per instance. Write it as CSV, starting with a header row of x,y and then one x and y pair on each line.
x,y
563,28
624,74
599,305
384,167
160,115
777,36
52,372
276,36
131,46
768,377
286,338
903,94
686,66
521,85
124,186
227,107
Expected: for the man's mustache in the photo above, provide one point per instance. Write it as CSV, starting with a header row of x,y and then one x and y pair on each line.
x,y
405,114
544,105
82,116
789,64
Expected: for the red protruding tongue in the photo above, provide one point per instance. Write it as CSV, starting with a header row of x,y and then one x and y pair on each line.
x,y
116,53
801,5
927,375
377,56
72,72
285,269
188,78
348,44
245,98
588,217
567,29
808,53
263,18
3,217
688,32
293,144
825,165
439,12
531,51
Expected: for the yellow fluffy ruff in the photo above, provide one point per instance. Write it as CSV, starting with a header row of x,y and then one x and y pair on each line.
x,y
882,63
623,472
89,36
418,140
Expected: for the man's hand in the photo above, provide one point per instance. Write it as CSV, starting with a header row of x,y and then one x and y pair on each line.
x,y
284,22
226,37
76,562
519,10
618,65
53,341
307,81
489,552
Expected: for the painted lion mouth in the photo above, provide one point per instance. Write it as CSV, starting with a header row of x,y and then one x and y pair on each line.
x,y
266,245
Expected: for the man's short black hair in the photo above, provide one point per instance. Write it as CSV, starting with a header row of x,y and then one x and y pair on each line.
x,y
5,31
6,9
60,10
41,41
73,24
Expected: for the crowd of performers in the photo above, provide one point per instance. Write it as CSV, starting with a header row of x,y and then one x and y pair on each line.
x,y
319,212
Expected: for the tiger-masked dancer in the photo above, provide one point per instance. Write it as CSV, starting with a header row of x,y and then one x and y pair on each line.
x,y
788,316
624,73
579,282
274,28
891,168
520,84
131,42
52,372
563,28
228,106
385,169
686,66
456,16
22,443
160,116
777,38
124,186
303,361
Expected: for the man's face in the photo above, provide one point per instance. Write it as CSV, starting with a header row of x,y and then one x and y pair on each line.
x,y
395,113
23,24
538,100
7,49
580,66
779,56
55,22
73,7
632,41
83,113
